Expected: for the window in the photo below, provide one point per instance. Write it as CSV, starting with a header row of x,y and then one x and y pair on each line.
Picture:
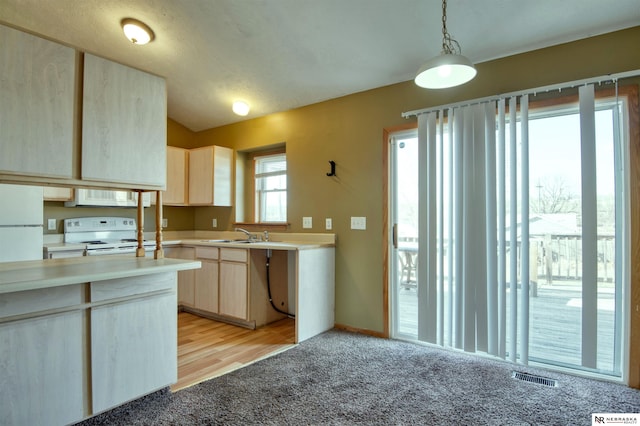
x,y
270,188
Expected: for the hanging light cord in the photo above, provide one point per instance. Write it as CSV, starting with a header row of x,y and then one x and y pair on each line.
x,y
449,45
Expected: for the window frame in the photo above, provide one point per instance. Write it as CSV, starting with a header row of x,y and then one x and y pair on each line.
x,y
257,199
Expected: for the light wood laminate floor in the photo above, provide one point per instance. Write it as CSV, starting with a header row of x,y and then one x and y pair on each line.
x,y
208,348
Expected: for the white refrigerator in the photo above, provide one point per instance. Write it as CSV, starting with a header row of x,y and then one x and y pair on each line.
x,y
20,223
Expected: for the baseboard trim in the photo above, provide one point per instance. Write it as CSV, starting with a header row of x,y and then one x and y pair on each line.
x,y
233,321
361,331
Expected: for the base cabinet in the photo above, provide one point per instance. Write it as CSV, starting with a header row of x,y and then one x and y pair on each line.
x,y
206,280
69,352
186,279
206,286
37,389
234,291
222,283
133,349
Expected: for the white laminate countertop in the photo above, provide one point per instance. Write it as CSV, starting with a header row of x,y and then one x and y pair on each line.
x,y
37,274
273,245
211,242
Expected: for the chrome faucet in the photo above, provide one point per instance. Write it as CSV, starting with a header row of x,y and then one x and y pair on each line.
x,y
266,236
250,236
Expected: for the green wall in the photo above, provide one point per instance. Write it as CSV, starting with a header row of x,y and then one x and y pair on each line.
x,y
349,131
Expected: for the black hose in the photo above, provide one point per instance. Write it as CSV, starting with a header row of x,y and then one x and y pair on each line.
x,y
269,290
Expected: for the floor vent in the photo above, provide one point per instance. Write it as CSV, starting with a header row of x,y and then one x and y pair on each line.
x,y
532,378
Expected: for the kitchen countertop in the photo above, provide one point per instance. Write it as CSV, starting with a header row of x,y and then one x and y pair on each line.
x,y
273,245
297,242
36,274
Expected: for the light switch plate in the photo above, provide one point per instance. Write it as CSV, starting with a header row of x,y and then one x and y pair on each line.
x,y
165,222
51,224
328,224
358,222
307,222
214,223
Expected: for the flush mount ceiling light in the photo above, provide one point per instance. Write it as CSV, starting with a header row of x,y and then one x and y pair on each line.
x,y
240,108
450,68
137,32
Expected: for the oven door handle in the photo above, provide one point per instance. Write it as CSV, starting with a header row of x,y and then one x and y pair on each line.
x,y
100,252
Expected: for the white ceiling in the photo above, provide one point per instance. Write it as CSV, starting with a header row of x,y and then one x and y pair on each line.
x,y
282,54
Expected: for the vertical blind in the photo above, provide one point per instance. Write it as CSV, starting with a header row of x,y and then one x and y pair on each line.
x,y
474,258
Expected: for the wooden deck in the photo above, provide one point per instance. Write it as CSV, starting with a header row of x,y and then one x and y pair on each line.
x,y
554,328
208,348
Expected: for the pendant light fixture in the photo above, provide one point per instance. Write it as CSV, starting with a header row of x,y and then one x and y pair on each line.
x,y
137,32
450,68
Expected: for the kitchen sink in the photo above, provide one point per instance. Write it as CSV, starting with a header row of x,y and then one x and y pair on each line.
x,y
230,241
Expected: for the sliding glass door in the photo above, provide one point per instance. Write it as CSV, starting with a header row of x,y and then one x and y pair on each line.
x,y
510,227
404,248
573,319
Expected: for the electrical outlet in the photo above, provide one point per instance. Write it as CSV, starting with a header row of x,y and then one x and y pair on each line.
x,y
165,222
214,222
358,222
307,222
328,223
51,224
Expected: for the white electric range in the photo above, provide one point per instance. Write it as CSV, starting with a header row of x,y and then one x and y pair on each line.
x,y
104,235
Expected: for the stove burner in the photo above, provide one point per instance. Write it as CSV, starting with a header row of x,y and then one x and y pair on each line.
x,y
93,242
128,240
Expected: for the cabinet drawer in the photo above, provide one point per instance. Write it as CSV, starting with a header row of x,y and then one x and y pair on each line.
x,y
125,287
32,301
234,255
206,252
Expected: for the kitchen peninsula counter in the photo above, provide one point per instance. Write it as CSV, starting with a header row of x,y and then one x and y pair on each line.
x,y
38,274
102,329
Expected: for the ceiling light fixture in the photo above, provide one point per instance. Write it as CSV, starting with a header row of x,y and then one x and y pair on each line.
x,y
240,108
448,69
137,32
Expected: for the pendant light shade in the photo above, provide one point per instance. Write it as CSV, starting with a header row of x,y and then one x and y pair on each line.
x,y
450,68
446,70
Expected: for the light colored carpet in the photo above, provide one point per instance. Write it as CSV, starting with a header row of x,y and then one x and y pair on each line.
x,y
343,378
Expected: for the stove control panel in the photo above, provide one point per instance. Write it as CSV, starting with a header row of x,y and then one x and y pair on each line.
x,y
87,224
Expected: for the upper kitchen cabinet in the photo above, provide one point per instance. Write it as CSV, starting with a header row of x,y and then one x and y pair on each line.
x,y
210,175
177,177
38,92
52,193
124,125
74,119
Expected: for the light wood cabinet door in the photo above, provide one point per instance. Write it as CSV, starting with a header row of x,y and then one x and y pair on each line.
x,y
52,193
177,177
210,175
38,389
37,92
186,279
124,125
133,349
234,289
206,286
